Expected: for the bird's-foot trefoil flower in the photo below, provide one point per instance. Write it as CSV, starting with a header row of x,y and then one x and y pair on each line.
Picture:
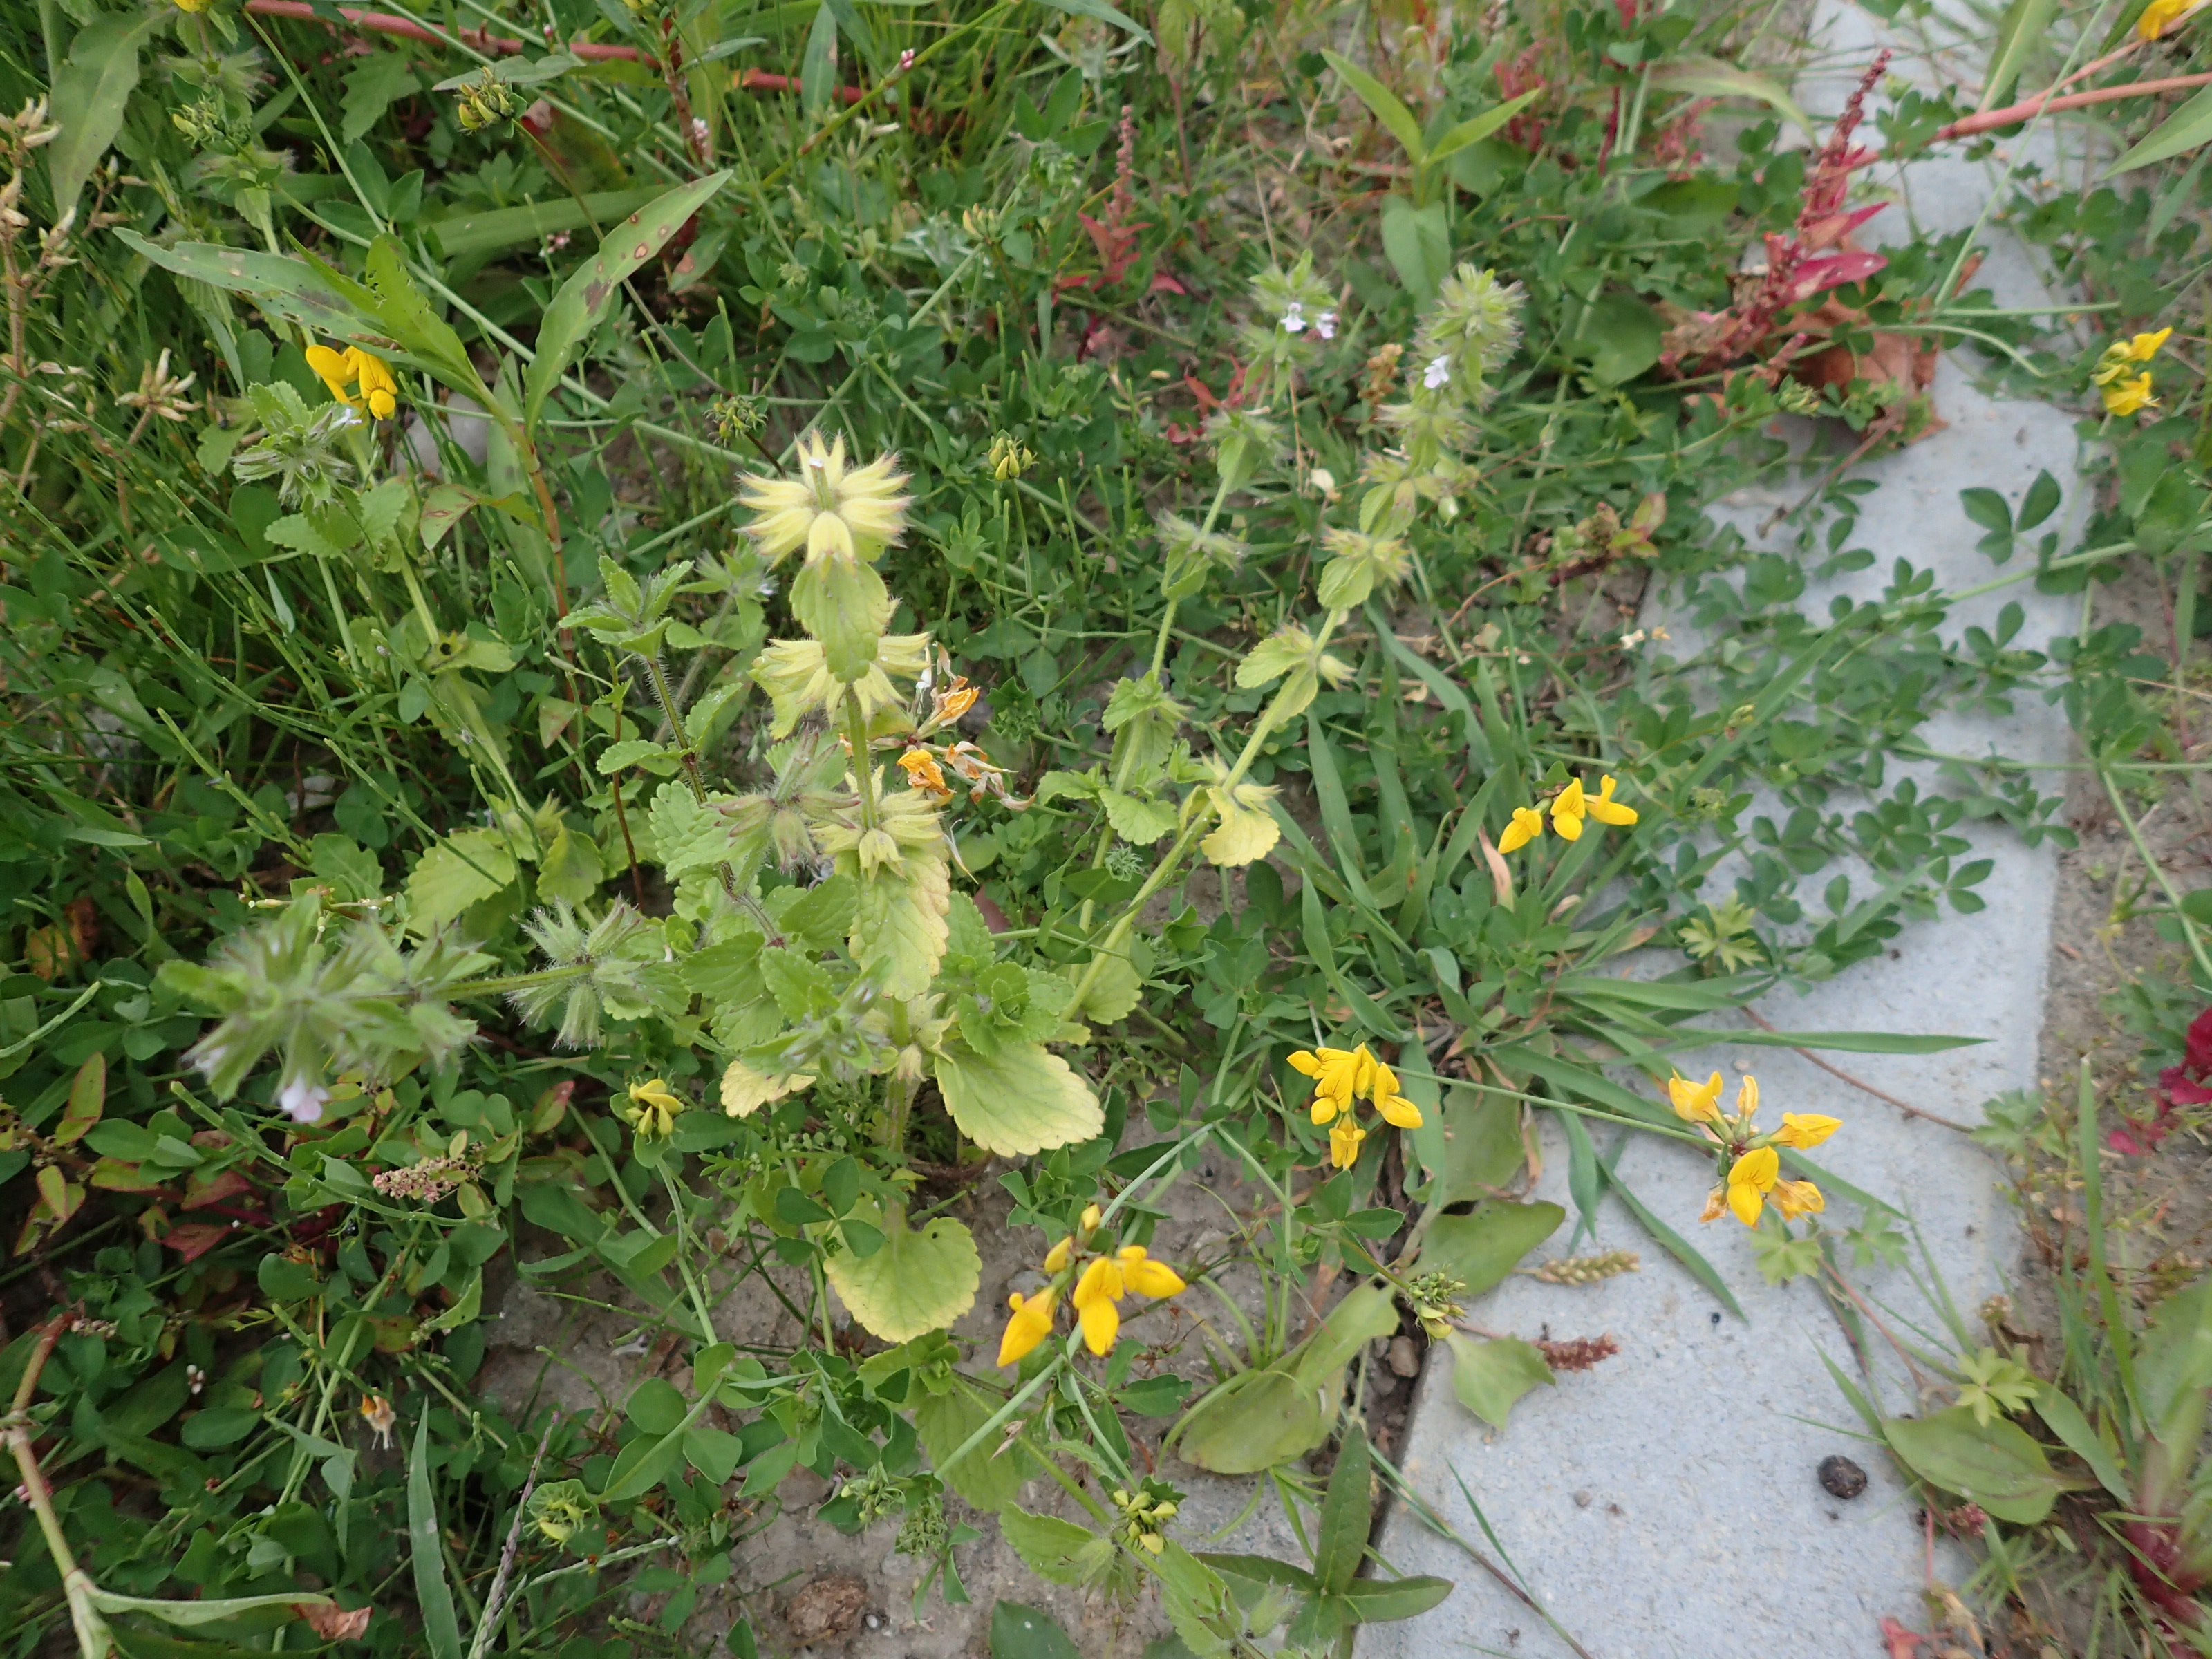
x,y
1748,1160
1099,1280
343,370
1570,808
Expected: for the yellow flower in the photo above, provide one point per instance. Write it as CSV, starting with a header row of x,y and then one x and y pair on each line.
x,y
1340,1076
2144,347
1092,1217
1396,1109
2126,397
1796,1197
1056,1257
1031,1323
1605,810
1343,1140
1716,1202
1528,824
1696,1103
2160,16
1146,1277
339,370
378,389
1806,1130
652,1109
1567,809
829,510
1747,1099
1096,1293
1749,1181
922,771
193,5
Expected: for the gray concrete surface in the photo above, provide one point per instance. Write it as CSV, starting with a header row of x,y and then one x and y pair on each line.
x,y
1665,1505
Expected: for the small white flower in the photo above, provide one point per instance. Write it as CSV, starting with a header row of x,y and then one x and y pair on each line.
x,y
1323,480
1436,373
699,129
302,1101
1325,325
196,1377
1294,319
1633,639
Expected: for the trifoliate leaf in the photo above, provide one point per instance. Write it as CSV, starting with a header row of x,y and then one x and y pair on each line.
x,y
463,869
1021,1099
1136,820
914,1283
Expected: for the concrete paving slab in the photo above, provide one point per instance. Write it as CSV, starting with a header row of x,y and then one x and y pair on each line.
x,y
1665,1505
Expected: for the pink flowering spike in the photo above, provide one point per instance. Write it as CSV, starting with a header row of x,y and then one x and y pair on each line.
x,y
1834,271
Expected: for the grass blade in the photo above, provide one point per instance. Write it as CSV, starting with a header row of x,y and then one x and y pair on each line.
x,y
440,1629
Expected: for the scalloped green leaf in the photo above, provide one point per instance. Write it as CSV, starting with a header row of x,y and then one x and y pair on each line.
x,y
916,1283
1020,1100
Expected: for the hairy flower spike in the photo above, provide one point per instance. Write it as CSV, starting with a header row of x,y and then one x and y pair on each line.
x,y
833,510
1470,331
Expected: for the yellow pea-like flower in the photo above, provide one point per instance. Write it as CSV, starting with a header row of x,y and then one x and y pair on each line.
x,y
1806,1130
1528,825
1146,1277
1343,1140
1031,1323
1568,807
1396,1109
1096,1293
1341,1075
1603,806
1696,1103
1796,1197
1750,1180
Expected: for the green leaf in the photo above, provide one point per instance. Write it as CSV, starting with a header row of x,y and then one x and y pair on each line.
x,y
847,607
1018,1101
1379,1600
1417,240
916,1283
1104,13
433,1594
1994,1464
1709,77
1113,992
1621,337
987,1478
583,301
1482,1151
1058,1552
1477,128
209,1612
1019,1632
2065,1418
88,1097
898,926
1481,1248
372,87
460,234
1340,1535
464,869
2185,129
1384,102
1489,1376
89,95
1250,1422
1138,821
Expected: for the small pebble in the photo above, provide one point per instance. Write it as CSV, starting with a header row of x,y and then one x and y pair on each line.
x,y
1840,1477
1405,1359
1581,1500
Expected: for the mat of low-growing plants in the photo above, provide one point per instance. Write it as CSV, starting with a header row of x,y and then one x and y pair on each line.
x,y
804,804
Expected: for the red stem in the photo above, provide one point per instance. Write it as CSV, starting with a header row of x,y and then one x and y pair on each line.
x,y
2041,102
406,28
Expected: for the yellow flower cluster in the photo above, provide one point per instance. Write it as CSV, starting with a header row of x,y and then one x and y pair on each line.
x,y
2160,16
1343,1076
652,1109
340,370
2125,392
1750,1172
1569,808
1100,1282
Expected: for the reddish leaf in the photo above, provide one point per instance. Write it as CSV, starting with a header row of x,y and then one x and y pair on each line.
x,y
1903,1643
203,1190
333,1623
2199,1049
1164,283
195,1239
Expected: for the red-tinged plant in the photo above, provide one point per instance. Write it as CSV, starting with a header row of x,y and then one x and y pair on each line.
x,y
2189,1083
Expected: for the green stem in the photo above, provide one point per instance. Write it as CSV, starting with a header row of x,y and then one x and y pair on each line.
x,y
2190,929
677,1215
864,767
